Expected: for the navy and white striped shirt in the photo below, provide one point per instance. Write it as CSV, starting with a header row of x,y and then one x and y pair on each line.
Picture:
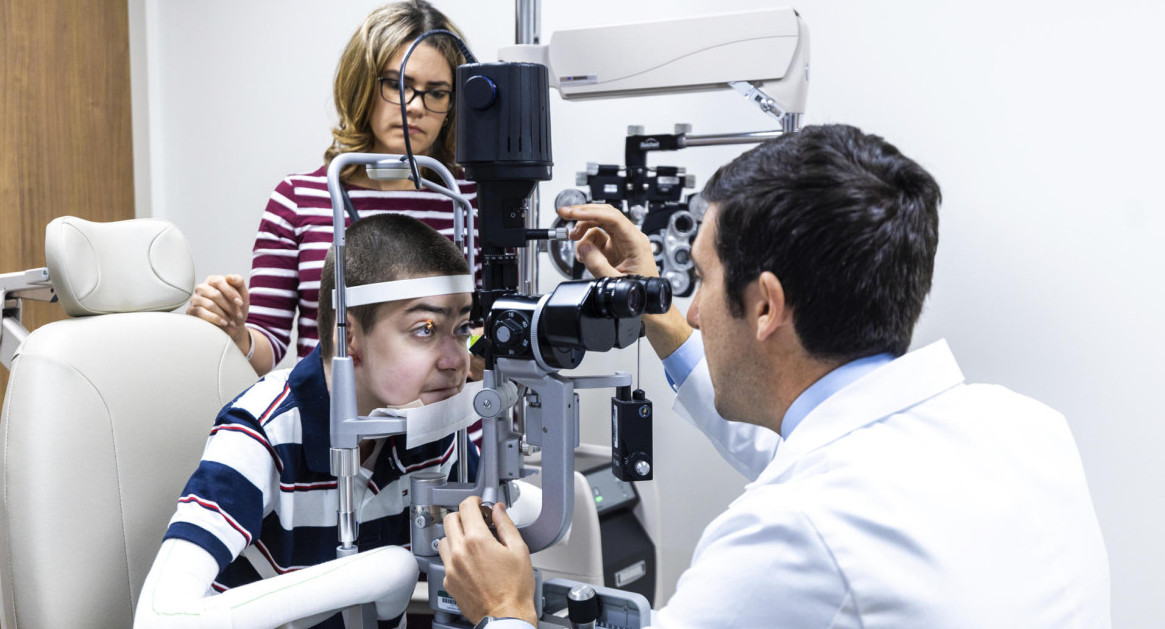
x,y
263,500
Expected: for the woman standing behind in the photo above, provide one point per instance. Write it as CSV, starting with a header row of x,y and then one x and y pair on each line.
x,y
296,229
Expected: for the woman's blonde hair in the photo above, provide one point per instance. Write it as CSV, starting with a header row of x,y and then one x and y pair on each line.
x,y
384,33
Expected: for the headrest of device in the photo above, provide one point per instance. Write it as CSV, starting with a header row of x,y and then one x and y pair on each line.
x,y
397,290
125,266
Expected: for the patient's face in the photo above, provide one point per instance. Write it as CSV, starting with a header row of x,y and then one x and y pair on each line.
x,y
416,350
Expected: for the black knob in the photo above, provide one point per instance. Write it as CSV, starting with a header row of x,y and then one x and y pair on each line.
x,y
582,606
480,92
507,333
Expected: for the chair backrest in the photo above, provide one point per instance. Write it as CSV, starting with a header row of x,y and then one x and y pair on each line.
x,y
104,419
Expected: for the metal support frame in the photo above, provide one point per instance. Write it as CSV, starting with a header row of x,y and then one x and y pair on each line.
x,y
33,284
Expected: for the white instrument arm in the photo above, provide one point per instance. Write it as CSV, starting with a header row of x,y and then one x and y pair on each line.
x,y
764,54
177,593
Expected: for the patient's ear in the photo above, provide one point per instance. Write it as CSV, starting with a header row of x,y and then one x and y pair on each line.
x,y
355,340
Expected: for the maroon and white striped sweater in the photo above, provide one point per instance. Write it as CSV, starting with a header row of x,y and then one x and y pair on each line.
x,y
294,237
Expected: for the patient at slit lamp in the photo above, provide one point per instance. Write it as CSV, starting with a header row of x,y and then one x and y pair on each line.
x,y
256,522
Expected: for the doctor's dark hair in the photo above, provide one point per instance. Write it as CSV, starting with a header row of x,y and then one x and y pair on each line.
x,y
847,223
383,248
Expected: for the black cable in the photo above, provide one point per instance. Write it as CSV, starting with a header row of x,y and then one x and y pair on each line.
x,y
404,117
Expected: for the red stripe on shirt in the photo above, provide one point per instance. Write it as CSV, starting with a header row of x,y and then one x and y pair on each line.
x,y
434,461
211,506
271,559
307,486
267,414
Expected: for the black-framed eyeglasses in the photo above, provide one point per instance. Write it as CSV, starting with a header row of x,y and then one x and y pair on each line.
x,y
438,100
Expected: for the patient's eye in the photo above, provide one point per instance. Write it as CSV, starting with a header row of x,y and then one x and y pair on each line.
x,y
465,329
426,329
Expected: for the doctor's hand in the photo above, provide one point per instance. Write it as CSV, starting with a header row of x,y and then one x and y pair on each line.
x,y
608,242
487,576
224,301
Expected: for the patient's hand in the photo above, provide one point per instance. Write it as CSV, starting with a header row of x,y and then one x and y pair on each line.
x,y
224,301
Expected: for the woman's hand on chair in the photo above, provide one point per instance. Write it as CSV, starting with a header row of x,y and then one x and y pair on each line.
x,y
224,301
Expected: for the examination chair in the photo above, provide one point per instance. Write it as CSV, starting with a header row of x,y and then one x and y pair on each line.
x,y
105,417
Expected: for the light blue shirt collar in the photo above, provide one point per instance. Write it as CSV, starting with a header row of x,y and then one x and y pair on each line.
x,y
831,383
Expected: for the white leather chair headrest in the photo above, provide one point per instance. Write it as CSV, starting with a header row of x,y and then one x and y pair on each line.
x,y
124,266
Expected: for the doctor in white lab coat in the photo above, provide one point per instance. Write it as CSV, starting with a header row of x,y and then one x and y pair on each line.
x,y
886,492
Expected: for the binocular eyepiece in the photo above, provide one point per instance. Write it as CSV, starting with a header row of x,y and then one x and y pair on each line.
x,y
557,329
632,295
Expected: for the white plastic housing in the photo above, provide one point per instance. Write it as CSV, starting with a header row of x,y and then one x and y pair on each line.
x,y
769,47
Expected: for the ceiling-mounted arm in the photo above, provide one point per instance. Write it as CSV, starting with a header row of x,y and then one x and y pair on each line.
x,y
789,121
764,54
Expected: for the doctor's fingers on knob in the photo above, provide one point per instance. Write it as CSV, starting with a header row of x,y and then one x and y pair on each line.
x,y
483,574
517,568
621,243
605,254
507,532
600,212
611,219
594,214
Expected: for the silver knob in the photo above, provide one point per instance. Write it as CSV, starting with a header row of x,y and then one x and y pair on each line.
x,y
638,213
582,606
680,281
570,196
642,468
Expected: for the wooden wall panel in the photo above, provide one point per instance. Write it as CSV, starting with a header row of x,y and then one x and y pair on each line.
x,y
65,125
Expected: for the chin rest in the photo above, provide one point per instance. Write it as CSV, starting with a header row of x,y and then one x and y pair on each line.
x,y
104,418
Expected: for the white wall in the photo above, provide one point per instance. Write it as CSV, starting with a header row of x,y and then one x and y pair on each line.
x,y
1041,120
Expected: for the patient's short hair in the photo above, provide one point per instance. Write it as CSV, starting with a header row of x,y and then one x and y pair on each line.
x,y
383,248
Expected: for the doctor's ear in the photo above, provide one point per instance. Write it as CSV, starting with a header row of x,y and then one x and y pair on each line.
x,y
770,308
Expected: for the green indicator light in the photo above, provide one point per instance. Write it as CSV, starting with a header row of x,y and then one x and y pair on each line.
x,y
598,498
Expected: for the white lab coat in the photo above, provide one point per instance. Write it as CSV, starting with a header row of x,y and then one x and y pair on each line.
x,y
907,499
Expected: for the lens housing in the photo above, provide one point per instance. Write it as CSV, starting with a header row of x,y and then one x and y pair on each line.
x,y
556,330
620,297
